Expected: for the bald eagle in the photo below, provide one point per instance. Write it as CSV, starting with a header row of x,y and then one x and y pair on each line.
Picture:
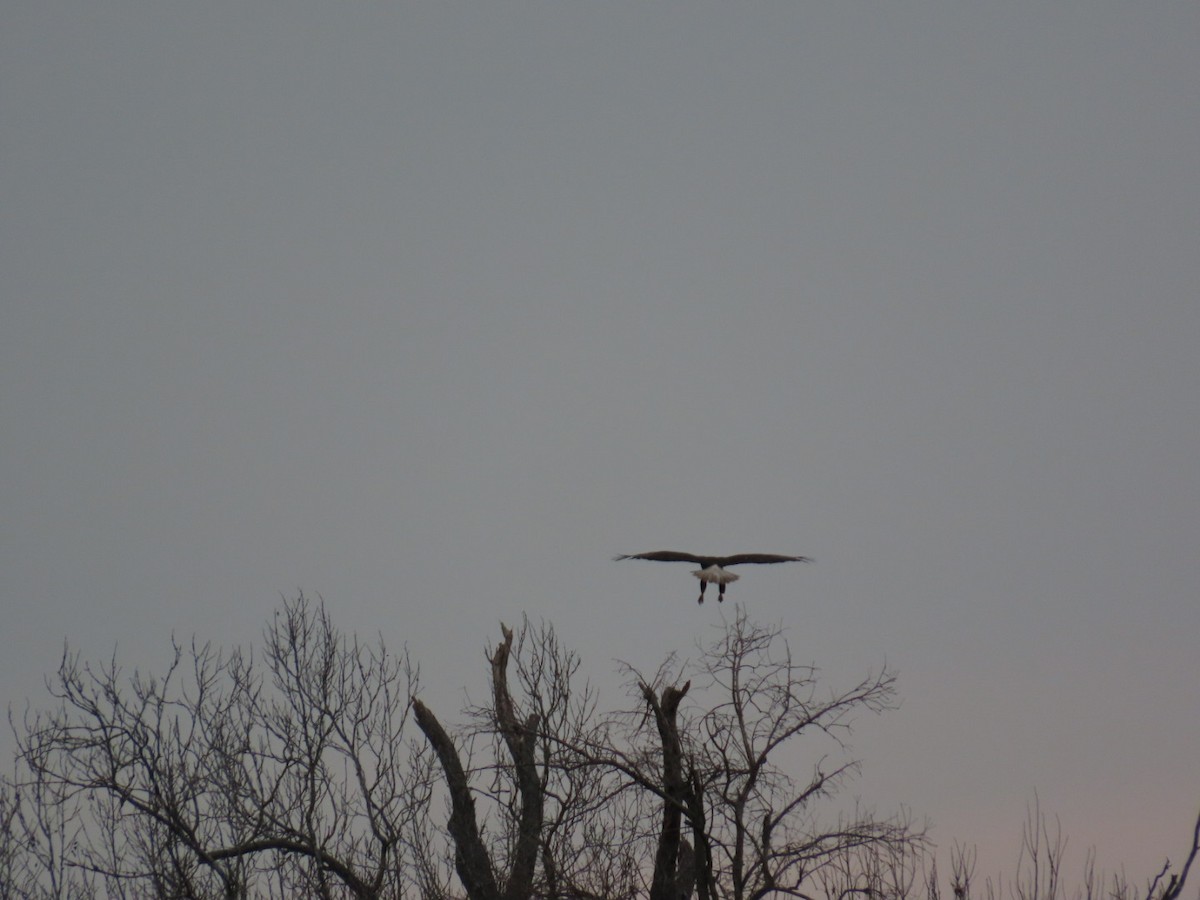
x,y
713,568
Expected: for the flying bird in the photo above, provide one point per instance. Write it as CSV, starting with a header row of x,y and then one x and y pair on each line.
x,y
713,568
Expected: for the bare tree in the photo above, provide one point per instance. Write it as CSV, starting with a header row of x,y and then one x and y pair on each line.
x,y
730,821
297,775
223,778
474,862
35,832
552,822
764,829
1040,873
677,793
753,827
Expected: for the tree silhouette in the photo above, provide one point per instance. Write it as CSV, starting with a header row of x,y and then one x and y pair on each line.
x,y
318,770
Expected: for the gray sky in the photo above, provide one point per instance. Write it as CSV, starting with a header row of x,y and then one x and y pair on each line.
x,y
431,309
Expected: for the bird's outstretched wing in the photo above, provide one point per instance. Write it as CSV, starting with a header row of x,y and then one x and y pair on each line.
x,y
737,559
758,558
666,556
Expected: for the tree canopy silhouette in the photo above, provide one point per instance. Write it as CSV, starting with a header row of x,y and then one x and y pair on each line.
x,y
318,769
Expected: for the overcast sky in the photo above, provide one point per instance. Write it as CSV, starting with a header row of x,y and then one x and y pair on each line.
x,y
430,309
